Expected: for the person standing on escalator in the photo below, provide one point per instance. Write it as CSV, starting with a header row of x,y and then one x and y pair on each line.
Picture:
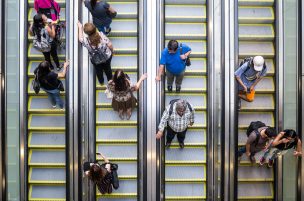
x,y
178,116
102,13
248,75
50,8
174,58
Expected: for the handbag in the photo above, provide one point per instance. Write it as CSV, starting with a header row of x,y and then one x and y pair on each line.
x,y
109,93
187,60
115,180
36,83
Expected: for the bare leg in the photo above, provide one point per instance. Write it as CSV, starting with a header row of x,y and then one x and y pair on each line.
x,y
129,113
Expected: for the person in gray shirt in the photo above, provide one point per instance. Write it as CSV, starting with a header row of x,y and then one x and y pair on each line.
x,y
256,142
102,14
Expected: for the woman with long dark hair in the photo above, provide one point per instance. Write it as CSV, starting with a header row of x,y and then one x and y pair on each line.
x,y
49,82
100,50
44,32
102,13
123,99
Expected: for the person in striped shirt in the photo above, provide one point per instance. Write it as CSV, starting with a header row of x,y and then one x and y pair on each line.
x,y
178,116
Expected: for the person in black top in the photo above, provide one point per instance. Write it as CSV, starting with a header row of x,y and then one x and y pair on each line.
x,y
285,140
100,174
49,81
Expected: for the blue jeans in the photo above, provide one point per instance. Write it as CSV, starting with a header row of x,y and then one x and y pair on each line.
x,y
104,29
242,150
54,97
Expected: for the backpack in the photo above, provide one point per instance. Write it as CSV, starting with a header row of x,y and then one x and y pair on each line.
x,y
60,34
187,61
98,54
115,180
43,45
36,83
249,60
254,126
172,103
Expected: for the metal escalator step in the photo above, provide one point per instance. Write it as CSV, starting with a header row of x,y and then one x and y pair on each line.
x,y
185,13
124,27
196,83
246,117
116,133
125,10
255,190
32,12
60,2
44,192
119,62
46,122
198,67
186,155
255,14
118,151
125,187
117,199
198,101
42,157
248,49
53,175
30,90
198,47
35,54
256,32
41,104
270,66
262,102
254,173
256,2
177,172
176,31
46,140
266,85
187,191
110,117
124,45
189,2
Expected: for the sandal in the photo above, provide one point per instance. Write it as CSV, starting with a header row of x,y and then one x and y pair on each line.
x,y
120,114
129,114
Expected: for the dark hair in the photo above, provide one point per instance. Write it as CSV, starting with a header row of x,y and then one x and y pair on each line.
x,y
120,80
172,45
290,133
97,173
44,70
270,132
38,25
93,3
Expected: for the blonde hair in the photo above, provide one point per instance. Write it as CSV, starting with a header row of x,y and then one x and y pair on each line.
x,y
91,31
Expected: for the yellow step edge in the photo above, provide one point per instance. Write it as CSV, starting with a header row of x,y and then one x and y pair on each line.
x,y
116,126
128,177
117,195
46,146
250,180
46,164
189,145
50,182
184,162
185,197
198,180
114,123
117,141
121,159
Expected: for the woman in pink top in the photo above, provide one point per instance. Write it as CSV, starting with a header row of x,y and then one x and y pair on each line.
x,y
50,8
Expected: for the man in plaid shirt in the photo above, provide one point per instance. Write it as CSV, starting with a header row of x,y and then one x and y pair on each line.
x,y
177,121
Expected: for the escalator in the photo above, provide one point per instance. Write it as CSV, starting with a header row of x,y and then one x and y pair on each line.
x,y
185,169
256,37
118,139
46,132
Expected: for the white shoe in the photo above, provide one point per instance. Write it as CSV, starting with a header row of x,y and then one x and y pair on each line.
x,y
54,106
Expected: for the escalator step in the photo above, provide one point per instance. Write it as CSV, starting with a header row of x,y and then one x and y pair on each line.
x,y
265,49
256,2
124,27
189,2
125,10
255,15
47,192
119,62
185,13
186,155
262,102
118,151
109,116
185,31
246,117
196,100
255,190
40,157
114,133
41,104
32,12
266,85
254,173
49,122
46,139
30,90
178,172
47,175
194,82
256,32
126,187
35,54
185,190
124,45
198,47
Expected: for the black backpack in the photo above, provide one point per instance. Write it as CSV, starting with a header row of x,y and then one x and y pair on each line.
x,y
187,61
254,126
172,103
98,54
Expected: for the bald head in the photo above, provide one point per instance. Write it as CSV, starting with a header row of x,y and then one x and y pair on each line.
x,y
181,105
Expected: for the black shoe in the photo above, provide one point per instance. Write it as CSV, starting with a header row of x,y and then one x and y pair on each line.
x,y
168,144
239,105
252,159
169,88
181,145
108,31
178,89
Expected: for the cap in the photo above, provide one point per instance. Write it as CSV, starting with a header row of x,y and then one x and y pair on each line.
x,y
258,62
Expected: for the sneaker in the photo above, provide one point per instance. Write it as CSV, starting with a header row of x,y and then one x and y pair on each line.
x,y
108,30
262,161
239,105
54,106
270,163
181,145
168,144
178,89
169,88
252,159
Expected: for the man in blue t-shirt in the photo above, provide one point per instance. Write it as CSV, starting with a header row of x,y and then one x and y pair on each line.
x,y
173,57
